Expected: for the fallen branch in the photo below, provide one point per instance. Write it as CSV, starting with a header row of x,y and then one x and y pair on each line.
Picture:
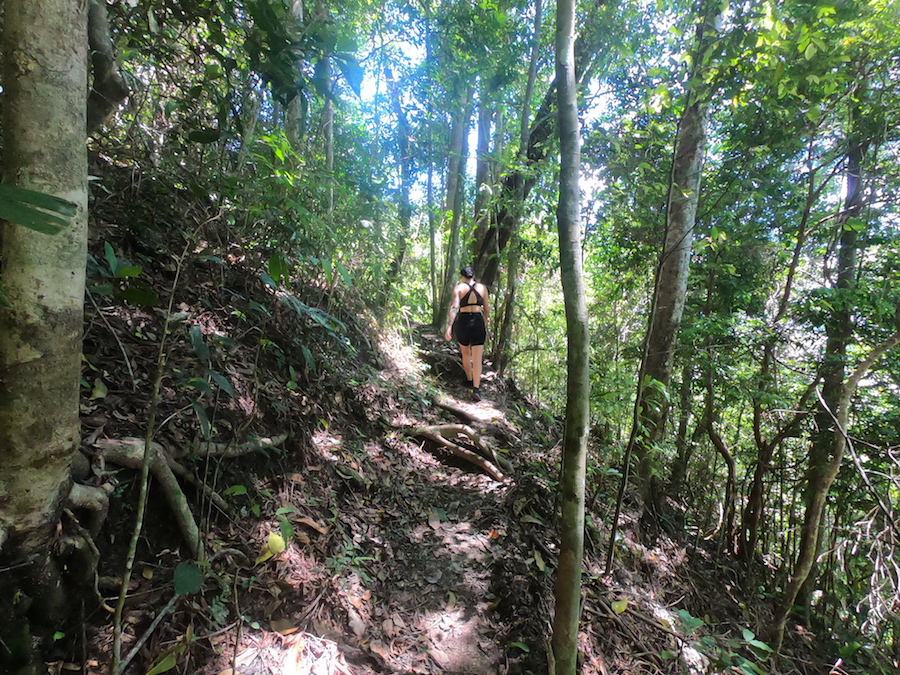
x,y
437,434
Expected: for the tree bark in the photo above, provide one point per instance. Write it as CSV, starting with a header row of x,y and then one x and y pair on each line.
x,y
516,186
454,204
670,286
829,443
404,207
572,478
44,63
44,125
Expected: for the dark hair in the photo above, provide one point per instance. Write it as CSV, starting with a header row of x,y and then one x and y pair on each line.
x,y
467,272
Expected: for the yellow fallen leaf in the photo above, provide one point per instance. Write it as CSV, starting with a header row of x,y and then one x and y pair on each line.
x,y
274,546
619,606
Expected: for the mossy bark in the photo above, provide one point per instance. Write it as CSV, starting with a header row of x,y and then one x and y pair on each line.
x,y
45,78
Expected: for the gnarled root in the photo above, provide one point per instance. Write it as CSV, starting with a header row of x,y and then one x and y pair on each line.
x,y
129,452
442,435
95,500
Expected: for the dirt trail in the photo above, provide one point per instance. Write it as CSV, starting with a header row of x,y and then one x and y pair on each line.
x,y
405,561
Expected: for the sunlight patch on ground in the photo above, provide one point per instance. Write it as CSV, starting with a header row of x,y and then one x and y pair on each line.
x,y
293,654
327,444
400,353
695,662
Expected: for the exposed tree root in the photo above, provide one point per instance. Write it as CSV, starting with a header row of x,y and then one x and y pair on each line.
x,y
129,453
442,435
93,499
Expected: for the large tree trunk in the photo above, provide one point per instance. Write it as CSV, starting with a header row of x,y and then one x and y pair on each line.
x,y
44,52
672,273
572,477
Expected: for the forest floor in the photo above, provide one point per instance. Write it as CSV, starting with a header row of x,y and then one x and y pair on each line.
x,y
399,556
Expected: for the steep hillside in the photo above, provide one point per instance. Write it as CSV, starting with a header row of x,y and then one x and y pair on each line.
x,y
354,511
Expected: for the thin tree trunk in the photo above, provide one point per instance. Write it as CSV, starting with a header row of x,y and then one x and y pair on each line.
x,y
572,477
44,65
829,443
517,184
404,208
454,204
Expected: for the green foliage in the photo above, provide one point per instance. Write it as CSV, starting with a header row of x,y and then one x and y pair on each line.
x,y
37,211
188,579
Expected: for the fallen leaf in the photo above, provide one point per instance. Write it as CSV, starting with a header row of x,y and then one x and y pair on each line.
x,y
283,626
619,606
434,519
100,389
357,624
274,546
318,527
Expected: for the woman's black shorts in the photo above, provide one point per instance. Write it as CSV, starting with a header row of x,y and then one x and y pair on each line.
x,y
469,328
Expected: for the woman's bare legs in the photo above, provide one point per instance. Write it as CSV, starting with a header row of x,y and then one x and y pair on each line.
x,y
477,352
466,351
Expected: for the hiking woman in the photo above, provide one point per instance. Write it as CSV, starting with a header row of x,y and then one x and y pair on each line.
x,y
469,314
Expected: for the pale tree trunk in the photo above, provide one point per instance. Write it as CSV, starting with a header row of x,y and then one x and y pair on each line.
x,y
329,138
485,245
572,477
672,273
44,64
456,167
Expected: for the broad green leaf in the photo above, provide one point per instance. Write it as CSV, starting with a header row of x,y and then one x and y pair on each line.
x,y
100,390
345,273
236,490
286,527
127,271
35,210
200,348
165,664
205,426
111,258
619,606
140,296
222,381
188,579
267,279
352,71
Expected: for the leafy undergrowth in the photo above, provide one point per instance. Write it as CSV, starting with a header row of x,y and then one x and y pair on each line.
x,y
354,545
